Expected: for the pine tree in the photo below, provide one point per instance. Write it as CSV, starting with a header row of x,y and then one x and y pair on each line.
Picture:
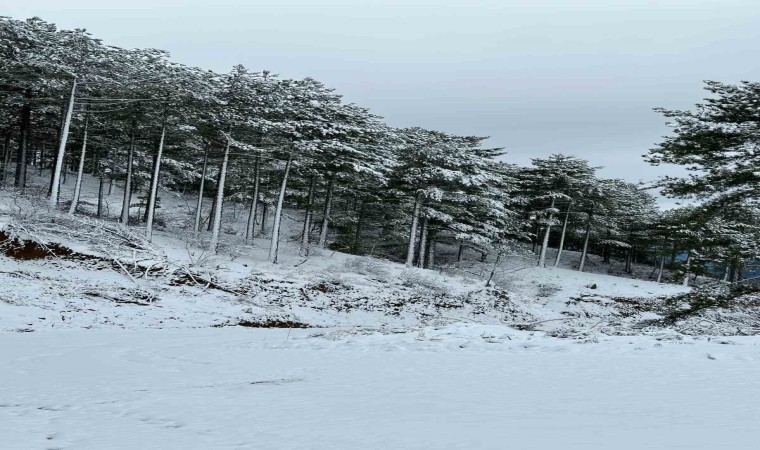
x,y
558,179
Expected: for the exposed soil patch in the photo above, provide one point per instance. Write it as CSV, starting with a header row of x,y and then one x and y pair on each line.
x,y
322,287
273,324
14,248
31,250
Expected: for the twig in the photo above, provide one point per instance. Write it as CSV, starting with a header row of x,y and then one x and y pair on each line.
x,y
116,260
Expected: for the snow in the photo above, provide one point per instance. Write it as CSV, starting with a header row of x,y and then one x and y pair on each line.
x,y
455,387
396,357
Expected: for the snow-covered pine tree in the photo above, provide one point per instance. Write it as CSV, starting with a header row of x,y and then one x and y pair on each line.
x,y
549,182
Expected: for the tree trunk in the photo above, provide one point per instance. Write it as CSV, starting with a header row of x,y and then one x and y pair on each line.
x,y
274,246
460,255
326,218
562,238
64,170
147,193
687,266
493,270
6,158
128,181
358,229
654,269
23,147
628,260
545,244
80,171
431,254
94,161
28,159
41,163
264,210
52,174
100,196
307,220
5,147
154,186
250,228
584,253
58,134
25,153
219,200
662,267
32,158
413,232
199,205
423,244
62,149
213,203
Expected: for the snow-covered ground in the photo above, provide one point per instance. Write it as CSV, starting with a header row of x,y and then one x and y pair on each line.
x,y
326,289
137,346
455,387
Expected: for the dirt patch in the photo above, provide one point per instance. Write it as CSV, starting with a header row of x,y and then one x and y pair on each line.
x,y
273,324
27,250
32,250
322,287
325,287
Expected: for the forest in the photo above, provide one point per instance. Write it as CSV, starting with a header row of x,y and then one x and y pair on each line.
x,y
236,259
265,146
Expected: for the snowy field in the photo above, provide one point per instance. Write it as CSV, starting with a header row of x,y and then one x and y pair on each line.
x,y
97,355
456,387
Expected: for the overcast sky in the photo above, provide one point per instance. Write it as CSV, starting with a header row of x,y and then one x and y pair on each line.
x,y
539,76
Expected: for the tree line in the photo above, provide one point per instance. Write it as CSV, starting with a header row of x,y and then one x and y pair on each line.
x,y
72,105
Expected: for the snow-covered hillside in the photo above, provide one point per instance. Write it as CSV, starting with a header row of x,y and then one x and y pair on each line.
x,y
131,283
114,278
118,343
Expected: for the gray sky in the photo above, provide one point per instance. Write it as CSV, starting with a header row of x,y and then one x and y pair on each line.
x,y
538,76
